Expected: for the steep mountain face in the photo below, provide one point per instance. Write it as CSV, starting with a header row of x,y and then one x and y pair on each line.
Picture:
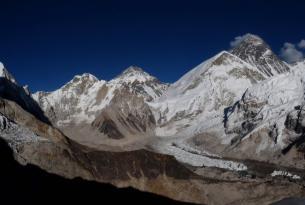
x,y
125,118
202,94
256,52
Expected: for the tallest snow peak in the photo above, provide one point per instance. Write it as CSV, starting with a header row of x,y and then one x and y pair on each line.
x,y
255,51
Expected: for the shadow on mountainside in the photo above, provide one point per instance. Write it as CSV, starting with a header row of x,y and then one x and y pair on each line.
x,y
29,184
17,94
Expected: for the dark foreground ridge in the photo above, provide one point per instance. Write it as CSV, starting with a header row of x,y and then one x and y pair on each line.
x,y
291,201
29,184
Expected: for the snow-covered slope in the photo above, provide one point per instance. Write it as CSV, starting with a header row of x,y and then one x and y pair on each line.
x,y
82,99
203,93
255,51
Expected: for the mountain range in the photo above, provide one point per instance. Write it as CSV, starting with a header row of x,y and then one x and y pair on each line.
x,y
234,124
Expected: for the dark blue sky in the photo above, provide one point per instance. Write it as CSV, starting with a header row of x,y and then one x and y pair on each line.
x,y
44,43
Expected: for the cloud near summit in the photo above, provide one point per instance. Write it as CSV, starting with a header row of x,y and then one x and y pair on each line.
x,y
290,53
238,39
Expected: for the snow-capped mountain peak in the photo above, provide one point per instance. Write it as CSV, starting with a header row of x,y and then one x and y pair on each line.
x,y
5,74
133,74
133,69
87,76
137,81
258,53
80,83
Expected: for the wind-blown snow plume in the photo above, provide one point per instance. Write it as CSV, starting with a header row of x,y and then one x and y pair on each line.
x,y
291,54
238,39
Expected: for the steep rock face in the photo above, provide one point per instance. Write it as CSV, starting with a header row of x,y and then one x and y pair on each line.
x,y
125,118
203,92
256,52
271,113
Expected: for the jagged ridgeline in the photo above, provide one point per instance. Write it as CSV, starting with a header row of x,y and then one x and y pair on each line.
x,y
230,131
